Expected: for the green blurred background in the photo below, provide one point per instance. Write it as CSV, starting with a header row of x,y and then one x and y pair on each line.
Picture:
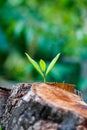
x,y
44,28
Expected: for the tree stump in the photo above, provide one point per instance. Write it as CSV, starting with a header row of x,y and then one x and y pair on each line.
x,y
43,106
4,94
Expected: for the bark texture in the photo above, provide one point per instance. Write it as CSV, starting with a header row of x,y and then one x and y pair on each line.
x,y
42,106
4,94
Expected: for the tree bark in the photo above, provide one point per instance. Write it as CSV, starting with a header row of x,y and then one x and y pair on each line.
x,y
4,94
41,106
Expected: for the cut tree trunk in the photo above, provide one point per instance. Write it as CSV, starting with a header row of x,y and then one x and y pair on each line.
x,y
44,106
4,94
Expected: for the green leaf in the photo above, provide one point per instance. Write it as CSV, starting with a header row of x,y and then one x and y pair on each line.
x,y
43,65
0,127
51,65
34,63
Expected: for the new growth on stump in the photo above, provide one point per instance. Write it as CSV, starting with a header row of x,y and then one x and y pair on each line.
x,y
42,68
43,106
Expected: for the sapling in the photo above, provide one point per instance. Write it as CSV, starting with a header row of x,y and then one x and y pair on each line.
x,y
42,67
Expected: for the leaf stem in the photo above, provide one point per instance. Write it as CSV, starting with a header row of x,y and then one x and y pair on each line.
x,y
44,78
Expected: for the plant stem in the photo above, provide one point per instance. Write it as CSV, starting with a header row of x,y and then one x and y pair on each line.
x,y
44,79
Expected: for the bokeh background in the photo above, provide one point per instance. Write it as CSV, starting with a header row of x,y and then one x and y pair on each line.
x,y
44,28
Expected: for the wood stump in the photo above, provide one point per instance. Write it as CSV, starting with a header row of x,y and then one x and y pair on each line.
x,y
4,94
40,106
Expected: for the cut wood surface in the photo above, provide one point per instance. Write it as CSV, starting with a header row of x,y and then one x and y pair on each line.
x,y
44,106
61,98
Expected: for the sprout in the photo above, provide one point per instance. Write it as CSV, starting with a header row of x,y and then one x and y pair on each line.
x,y
41,68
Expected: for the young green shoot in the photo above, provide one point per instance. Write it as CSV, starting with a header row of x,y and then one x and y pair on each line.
x,y
42,67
